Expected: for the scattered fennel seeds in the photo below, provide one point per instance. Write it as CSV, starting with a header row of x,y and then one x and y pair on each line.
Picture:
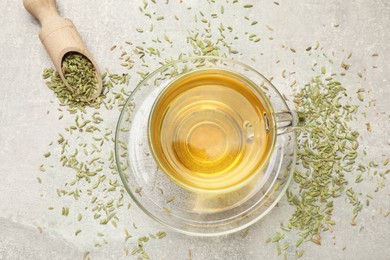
x,y
65,211
326,154
244,233
42,168
86,256
161,234
40,230
90,157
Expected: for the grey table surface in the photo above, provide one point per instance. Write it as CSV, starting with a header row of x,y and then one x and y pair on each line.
x,y
359,26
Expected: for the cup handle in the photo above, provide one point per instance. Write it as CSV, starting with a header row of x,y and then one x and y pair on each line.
x,y
287,122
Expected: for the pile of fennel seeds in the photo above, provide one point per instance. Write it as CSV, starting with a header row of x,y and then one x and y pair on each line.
x,y
97,181
81,76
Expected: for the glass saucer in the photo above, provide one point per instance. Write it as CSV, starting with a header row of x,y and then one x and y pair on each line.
x,y
195,212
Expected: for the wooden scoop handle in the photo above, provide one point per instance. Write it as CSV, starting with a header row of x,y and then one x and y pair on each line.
x,y
43,10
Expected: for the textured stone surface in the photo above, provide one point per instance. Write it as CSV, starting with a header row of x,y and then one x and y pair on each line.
x,y
25,129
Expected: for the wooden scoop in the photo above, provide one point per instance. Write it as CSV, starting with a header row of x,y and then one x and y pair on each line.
x,y
60,36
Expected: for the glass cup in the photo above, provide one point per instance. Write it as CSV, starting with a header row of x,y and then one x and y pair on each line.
x,y
205,145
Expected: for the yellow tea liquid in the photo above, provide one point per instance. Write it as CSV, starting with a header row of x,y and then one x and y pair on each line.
x,y
210,129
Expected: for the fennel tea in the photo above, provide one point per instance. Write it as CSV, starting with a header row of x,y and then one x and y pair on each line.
x,y
211,129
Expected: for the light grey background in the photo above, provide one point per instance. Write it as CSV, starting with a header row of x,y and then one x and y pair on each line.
x,y
26,130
